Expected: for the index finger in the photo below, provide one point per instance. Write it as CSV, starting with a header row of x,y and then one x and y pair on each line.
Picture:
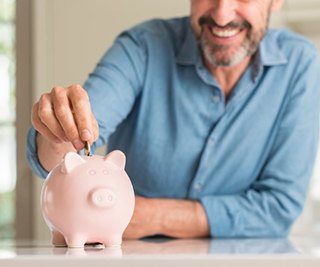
x,y
82,111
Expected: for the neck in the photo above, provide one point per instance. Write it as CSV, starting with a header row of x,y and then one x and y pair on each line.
x,y
227,77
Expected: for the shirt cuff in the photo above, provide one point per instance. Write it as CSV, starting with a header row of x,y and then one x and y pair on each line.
x,y
222,221
32,155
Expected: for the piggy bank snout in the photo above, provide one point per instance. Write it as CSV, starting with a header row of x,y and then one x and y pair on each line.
x,y
103,198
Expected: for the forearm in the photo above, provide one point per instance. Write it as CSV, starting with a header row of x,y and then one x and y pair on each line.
x,y
181,218
49,153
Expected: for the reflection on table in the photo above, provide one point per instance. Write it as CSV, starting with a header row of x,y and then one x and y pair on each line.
x,y
167,246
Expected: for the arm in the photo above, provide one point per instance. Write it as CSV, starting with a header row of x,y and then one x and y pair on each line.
x,y
175,218
66,117
273,201
276,198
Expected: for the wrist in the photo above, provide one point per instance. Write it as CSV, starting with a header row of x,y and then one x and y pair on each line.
x,y
53,146
158,216
50,153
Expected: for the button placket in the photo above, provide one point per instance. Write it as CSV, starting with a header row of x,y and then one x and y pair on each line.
x,y
198,185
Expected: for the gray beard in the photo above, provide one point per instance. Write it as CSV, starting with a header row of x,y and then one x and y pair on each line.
x,y
246,49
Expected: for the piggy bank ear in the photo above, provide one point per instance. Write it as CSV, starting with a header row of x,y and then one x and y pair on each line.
x,y
117,157
71,161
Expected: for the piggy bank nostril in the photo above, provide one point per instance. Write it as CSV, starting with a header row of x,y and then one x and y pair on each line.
x,y
103,198
92,172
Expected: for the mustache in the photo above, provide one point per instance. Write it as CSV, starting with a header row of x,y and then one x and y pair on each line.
x,y
207,20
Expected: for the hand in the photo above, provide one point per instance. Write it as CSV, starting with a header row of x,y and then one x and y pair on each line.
x,y
64,115
144,221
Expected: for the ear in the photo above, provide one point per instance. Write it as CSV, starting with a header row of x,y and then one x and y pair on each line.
x,y
276,5
71,161
117,157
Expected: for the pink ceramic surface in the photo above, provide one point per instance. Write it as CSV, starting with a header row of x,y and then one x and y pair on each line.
x,y
88,199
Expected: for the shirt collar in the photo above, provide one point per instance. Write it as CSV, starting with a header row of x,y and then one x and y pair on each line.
x,y
270,50
269,53
189,51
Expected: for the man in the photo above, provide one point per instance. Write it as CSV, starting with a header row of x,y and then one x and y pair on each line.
x,y
217,115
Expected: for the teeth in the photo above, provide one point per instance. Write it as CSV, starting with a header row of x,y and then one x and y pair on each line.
x,y
225,33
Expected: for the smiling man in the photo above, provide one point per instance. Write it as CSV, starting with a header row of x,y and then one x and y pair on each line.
x,y
217,115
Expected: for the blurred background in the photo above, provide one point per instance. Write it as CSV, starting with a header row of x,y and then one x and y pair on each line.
x,y
58,42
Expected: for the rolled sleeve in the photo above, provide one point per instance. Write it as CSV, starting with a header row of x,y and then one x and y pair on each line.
x,y
221,215
32,156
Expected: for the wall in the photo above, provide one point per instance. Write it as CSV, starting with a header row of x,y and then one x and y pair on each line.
x,y
73,34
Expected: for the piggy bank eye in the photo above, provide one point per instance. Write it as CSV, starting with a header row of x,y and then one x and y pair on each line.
x,y
92,172
105,171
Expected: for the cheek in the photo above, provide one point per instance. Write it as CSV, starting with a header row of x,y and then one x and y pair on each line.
x,y
198,9
194,23
257,14
260,24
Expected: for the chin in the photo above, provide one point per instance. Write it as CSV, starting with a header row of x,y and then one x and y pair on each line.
x,y
219,60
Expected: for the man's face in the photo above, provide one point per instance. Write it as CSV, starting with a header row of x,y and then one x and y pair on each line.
x,y
230,30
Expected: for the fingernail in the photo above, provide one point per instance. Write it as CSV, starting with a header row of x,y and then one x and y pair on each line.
x,y
77,144
85,135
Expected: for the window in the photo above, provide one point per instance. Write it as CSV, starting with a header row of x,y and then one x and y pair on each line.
x,y
7,119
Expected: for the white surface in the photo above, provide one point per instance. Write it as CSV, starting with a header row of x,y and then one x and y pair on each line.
x,y
295,251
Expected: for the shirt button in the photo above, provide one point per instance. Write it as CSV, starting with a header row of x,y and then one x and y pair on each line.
x,y
216,98
211,140
198,187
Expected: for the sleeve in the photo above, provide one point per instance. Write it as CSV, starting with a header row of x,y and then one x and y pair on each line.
x,y
276,198
116,83
112,88
32,156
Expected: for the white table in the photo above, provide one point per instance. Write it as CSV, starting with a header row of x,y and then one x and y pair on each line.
x,y
154,252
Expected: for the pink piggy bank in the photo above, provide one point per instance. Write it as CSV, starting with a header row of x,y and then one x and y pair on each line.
x,y
88,199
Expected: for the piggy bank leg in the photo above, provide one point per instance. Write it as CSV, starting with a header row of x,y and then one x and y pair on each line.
x,y
76,241
114,240
58,239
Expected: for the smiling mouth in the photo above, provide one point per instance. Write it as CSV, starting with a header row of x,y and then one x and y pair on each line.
x,y
230,30
225,33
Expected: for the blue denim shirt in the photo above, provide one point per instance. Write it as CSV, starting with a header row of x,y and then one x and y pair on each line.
x,y
248,160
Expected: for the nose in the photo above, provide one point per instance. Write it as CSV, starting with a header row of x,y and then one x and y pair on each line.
x,y
103,198
224,11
